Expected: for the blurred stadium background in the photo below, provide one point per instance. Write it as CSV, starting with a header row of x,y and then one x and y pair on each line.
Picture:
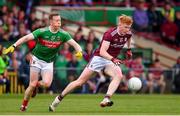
x,y
156,43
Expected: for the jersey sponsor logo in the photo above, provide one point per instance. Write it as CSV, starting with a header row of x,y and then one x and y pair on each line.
x,y
58,38
53,38
117,45
116,40
50,44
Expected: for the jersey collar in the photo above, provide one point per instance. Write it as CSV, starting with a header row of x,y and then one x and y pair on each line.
x,y
51,30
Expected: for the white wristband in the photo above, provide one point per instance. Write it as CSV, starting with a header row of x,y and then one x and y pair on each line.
x,y
14,45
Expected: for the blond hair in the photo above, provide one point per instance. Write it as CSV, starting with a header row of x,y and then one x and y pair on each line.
x,y
124,19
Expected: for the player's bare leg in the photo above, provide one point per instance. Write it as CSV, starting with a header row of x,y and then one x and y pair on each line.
x,y
47,76
85,75
116,74
34,75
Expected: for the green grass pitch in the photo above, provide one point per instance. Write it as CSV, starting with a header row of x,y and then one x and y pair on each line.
x,y
79,104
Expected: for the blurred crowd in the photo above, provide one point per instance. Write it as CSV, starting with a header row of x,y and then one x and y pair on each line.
x,y
15,23
157,20
116,3
161,26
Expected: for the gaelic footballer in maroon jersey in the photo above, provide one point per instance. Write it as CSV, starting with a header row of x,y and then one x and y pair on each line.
x,y
104,59
117,41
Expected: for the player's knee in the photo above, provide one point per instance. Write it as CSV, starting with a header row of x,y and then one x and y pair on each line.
x,y
118,77
46,84
33,84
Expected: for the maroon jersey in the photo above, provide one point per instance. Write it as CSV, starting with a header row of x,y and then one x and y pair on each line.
x,y
117,41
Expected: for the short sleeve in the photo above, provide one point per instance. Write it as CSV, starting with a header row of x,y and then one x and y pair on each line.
x,y
67,37
107,36
36,33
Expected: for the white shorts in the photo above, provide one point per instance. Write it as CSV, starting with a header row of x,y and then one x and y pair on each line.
x,y
98,63
40,64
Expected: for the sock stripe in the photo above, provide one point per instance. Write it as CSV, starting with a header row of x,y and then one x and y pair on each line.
x,y
60,97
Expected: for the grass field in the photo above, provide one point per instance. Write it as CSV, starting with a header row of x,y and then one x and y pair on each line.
x,y
89,105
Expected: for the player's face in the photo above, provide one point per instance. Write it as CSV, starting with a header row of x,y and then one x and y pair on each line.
x,y
124,28
56,22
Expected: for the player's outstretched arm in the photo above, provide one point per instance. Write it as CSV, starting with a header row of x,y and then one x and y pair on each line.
x,y
77,47
17,43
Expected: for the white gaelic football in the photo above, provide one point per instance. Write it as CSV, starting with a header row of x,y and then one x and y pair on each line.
x,y
134,84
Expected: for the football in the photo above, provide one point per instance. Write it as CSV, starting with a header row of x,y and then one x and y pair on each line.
x,y
134,84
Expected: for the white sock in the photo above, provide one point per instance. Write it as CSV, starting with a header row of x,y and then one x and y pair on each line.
x,y
55,102
106,100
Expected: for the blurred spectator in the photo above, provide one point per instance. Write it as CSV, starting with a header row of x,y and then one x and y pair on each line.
x,y
88,52
3,10
169,31
22,30
79,37
37,24
21,17
15,11
156,77
72,66
3,70
155,18
137,69
12,33
31,20
45,22
168,11
66,52
177,22
140,17
176,66
93,39
1,33
16,58
23,71
176,71
4,20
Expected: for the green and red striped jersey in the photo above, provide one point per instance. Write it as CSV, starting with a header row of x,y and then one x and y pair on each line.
x,y
48,43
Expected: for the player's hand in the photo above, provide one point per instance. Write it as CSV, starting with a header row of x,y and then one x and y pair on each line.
x,y
117,61
129,54
79,55
9,49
